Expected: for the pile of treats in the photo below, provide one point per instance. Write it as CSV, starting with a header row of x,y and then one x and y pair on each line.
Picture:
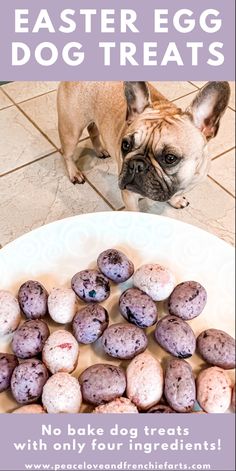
x,y
38,371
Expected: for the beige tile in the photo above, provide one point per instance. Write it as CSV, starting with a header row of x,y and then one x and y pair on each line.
x,y
102,173
232,96
211,208
173,90
41,193
4,101
199,84
21,91
21,142
223,171
43,111
225,138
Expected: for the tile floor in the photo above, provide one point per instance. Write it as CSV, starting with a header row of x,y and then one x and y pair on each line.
x,y
35,189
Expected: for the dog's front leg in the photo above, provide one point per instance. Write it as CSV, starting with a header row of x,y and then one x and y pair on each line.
x,y
178,201
130,200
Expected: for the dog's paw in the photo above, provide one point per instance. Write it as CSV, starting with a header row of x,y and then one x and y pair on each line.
x,y
102,154
77,178
178,202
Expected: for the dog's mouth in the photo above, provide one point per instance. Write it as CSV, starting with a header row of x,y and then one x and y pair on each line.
x,y
140,176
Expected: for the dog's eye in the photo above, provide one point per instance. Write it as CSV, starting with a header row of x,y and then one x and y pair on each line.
x,y
126,145
170,159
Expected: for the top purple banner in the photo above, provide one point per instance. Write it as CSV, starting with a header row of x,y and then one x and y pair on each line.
x,y
117,40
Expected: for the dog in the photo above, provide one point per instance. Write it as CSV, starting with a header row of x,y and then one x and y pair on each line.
x,y
161,151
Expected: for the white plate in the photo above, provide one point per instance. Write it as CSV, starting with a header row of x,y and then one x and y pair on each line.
x,y
53,253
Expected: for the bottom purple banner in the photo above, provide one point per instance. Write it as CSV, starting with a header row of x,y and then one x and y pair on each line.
x,y
117,442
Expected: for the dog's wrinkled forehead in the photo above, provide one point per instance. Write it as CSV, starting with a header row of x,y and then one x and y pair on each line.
x,y
178,134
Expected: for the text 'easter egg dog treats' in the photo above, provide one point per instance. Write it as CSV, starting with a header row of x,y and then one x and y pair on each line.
x,y
187,300
175,336
28,380
29,339
115,265
121,405
89,323
217,348
214,390
62,305
62,393
138,308
91,286
124,341
32,297
60,352
155,280
9,313
102,383
8,362
179,389
144,381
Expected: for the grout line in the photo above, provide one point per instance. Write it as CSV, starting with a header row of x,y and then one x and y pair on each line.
x,y
198,88
99,194
28,163
222,187
230,107
27,99
222,153
183,96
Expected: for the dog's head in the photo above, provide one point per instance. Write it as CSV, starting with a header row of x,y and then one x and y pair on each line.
x,y
164,149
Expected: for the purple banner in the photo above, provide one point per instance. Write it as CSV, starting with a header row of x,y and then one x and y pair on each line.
x,y
125,441
117,40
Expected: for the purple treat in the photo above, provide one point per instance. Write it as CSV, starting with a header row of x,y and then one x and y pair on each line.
x,y
91,286
138,308
115,265
29,339
28,380
89,323
187,300
124,341
8,363
175,336
102,383
32,298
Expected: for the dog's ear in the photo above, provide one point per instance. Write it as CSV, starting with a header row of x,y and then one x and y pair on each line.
x,y
138,98
208,107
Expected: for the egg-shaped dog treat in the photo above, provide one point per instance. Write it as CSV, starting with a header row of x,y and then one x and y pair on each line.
x,y
29,339
115,265
8,363
138,308
180,389
217,348
175,336
187,300
102,383
62,393
144,381
121,405
28,380
91,286
155,280
62,305
89,323
9,313
33,297
30,409
161,409
214,390
124,341
60,352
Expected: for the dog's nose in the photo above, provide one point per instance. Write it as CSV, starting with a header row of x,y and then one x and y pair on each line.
x,y
137,166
